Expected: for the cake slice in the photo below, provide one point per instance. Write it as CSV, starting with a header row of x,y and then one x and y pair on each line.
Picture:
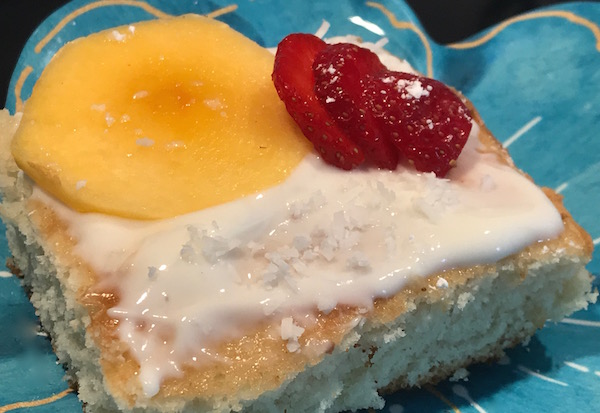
x,y
316,289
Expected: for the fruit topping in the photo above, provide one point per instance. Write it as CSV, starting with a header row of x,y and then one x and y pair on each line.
x,y
294,81
352,108
136,123
425,119
340,70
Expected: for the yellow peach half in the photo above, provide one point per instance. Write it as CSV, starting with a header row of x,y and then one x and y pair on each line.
x,y
157,119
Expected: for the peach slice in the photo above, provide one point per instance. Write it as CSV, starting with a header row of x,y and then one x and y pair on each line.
x,y
156,120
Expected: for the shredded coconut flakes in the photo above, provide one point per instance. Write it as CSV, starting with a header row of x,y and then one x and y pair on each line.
x,y
290,331
119,37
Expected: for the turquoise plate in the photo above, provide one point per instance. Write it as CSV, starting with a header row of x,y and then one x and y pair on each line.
x,y
535,80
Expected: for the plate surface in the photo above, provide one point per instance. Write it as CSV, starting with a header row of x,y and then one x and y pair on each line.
x,y
535,80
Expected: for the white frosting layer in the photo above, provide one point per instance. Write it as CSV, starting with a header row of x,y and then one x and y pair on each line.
x,y
323,237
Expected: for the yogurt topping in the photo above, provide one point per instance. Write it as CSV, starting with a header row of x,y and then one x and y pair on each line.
x,y
322,238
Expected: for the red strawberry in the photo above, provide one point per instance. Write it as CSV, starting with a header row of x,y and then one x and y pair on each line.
x,y
339,70
294,81
425,119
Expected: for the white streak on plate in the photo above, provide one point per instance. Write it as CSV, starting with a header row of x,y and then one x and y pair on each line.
x,y
541,376
576,366
522,131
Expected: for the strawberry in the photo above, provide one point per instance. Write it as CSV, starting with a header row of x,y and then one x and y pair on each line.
x,y
424,118
339,70
294,81
351,107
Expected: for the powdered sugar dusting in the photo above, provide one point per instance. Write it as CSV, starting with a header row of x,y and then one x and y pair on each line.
x,y
214,104
437,200
118,36
145,141
412,89
140,94
98,107
175,145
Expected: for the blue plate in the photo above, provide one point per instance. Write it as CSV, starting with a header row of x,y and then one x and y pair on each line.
x,y
535,80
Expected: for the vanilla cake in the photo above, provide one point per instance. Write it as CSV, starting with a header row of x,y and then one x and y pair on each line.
x,y
317,290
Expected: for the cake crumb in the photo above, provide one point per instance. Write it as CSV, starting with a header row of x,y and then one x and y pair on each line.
x,y
461,374
464,299
394,335
441,283
504,360
40,332
290,331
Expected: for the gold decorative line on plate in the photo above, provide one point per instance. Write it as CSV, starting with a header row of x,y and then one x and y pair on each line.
x,y
35,403
100,3
19,86
443,398
103,3
572,17
402,25
78,12
222,11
